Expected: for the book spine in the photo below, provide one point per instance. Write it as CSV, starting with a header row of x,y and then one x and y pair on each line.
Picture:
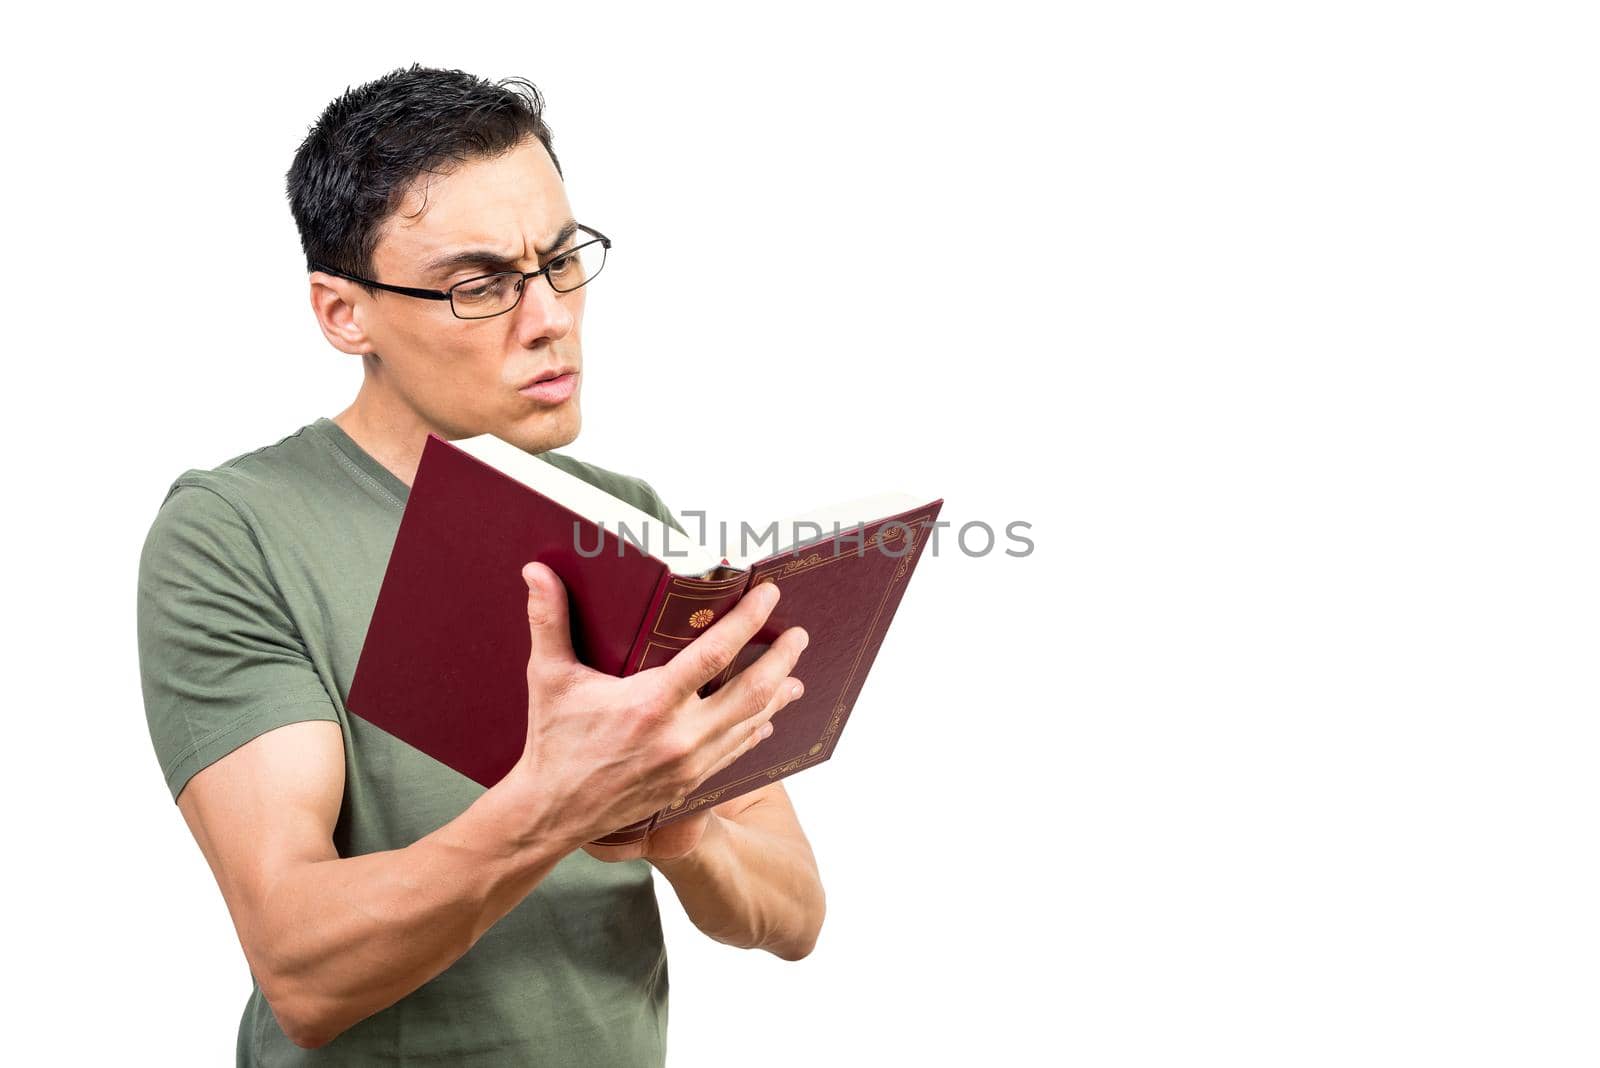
x,y
641,634
680,611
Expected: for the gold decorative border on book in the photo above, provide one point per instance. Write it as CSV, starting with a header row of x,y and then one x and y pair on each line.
x,y
824,744
684,804
884,534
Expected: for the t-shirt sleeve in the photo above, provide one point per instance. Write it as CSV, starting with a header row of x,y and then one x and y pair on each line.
x,y
220,661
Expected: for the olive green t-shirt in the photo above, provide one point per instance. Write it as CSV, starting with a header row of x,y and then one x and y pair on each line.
x,y
256,583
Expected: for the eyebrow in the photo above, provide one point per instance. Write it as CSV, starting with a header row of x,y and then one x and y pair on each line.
x,y
488,257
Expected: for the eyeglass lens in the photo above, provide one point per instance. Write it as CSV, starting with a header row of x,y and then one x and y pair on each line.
x,y
493,294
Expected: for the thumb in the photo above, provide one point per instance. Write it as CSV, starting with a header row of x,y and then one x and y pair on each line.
x,y
548,625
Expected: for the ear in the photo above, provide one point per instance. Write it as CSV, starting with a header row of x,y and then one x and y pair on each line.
x,y
338,305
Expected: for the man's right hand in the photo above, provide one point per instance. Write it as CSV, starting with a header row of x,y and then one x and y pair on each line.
x,y
606,752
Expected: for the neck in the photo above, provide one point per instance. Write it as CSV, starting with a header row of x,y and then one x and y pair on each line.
x,y
392,433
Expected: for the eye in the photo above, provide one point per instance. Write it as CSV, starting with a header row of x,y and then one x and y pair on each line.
x,y
492,286
564,262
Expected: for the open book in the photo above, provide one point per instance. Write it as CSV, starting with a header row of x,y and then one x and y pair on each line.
x,y
444,663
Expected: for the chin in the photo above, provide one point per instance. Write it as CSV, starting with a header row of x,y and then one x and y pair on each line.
x,y
551,429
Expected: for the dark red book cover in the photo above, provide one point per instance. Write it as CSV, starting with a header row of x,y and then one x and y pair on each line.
x,y
444,663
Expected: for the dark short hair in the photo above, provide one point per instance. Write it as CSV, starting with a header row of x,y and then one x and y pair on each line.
x,y
369,146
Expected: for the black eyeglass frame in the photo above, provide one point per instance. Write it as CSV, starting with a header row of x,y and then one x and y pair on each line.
x,y
445,294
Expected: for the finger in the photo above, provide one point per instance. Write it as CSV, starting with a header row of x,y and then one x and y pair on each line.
x,y
756,683
748,733
549,631
710,654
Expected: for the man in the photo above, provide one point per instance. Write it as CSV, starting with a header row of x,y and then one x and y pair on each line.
x,y
390,909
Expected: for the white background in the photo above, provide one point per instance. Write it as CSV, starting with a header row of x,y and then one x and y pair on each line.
x,y
1277,323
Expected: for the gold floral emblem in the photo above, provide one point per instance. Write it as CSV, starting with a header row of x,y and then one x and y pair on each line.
x,y
701,619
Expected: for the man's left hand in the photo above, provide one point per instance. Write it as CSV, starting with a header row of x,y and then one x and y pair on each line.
x,y
667,842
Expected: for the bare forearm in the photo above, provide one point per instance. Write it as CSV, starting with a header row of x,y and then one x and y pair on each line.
x,y
747,887
349,937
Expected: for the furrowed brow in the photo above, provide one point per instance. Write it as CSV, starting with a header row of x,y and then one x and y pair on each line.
x,y
490,258
564,235
440,266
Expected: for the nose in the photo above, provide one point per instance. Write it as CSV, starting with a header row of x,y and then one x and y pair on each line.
x,y
542,313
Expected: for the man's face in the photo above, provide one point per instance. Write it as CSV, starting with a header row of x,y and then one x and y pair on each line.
x,y
459,376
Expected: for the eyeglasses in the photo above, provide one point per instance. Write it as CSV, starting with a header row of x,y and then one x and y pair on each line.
x,y
488,295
